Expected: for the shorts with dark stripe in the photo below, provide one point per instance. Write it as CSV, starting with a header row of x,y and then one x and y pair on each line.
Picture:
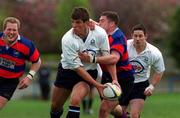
x,y
67,78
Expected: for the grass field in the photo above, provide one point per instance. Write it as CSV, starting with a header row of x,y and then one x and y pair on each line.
x,y
157,106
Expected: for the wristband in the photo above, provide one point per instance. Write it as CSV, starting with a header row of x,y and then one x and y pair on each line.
x,y
151,87
31,74
94,59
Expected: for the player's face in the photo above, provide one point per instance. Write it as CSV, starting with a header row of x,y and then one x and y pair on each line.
x,y
139,37
79,27
11,32
104,23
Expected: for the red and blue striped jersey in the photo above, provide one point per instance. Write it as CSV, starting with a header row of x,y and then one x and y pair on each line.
x,y
13,58
118,42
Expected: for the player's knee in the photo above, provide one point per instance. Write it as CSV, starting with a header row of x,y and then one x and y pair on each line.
x,y
75,101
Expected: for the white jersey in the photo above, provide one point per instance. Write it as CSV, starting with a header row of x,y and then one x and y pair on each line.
x,y
142,63
96,43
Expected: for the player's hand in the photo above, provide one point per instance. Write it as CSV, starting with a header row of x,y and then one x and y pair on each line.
x,y
24,83
149,90
116,83
92,24
100,89
84,56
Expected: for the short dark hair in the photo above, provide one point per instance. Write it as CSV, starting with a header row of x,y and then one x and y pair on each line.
x,y
139,27
112,16
80,13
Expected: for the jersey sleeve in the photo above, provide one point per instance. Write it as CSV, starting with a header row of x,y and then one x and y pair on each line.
x,y
70,55
158,62
119,44
34,53
104,44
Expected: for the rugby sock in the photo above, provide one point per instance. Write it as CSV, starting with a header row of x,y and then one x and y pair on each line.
x,y
74,112
56,114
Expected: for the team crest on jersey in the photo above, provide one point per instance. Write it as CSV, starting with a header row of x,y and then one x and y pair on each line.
x,y
138,67
16,54
92,42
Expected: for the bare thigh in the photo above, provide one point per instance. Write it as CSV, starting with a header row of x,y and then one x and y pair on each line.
x,y
3,102
59,97
80,90
136,106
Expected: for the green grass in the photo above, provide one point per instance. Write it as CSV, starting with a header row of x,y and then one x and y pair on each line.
x,y
157,106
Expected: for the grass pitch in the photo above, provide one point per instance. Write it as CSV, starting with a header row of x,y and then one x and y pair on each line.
x,y
164,105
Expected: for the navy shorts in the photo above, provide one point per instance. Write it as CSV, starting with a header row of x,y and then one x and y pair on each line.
x,y
67,78
138,90
7,87
126,86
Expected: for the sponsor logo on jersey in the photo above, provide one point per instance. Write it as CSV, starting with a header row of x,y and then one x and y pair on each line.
x,y
138,67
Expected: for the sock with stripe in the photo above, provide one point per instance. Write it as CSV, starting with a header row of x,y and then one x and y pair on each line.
x,y
74,112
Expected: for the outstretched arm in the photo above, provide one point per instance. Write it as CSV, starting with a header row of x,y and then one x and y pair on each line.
x,y
25,82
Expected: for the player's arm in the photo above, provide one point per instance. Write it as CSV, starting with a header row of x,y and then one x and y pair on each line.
x,y
85,75
154,81
24,83
109,59
158,66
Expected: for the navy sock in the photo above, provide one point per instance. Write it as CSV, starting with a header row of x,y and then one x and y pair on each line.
x,y
56,114
74,112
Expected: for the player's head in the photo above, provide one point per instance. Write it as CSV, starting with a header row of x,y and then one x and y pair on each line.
x,y
80,13
139,34
11,27
80,20
12,20
109,20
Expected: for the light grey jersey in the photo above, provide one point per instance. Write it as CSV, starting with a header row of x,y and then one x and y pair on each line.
x,y
96,43
142,63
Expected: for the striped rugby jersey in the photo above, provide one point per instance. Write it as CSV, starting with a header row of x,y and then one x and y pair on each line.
x,y
13,58
118,42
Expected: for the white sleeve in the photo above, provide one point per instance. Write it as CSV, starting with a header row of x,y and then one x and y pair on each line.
x,y
158,62
104,44
70,54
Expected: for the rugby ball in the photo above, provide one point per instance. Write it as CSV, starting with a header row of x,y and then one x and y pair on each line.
x,y
112,91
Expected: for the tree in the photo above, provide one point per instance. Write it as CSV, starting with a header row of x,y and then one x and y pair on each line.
x,y
37,19
174,39
63,15
152,13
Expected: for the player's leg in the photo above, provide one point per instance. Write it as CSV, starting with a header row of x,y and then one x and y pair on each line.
x,y
106,108
136,106
117,111
61,91
59,97
137,99
7,88
80,90
127,85
3,102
